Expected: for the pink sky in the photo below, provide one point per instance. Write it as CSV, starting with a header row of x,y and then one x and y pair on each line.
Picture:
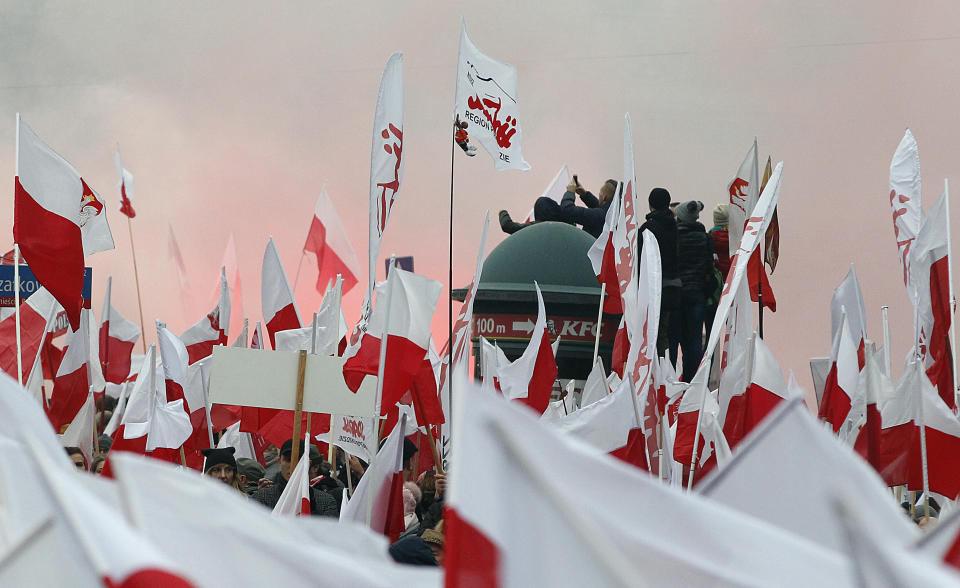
x,y
232,115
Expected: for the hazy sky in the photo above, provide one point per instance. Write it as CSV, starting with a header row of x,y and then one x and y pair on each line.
x,y
232,115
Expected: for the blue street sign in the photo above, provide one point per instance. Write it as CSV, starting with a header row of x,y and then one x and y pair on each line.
x,y
29,284
404,263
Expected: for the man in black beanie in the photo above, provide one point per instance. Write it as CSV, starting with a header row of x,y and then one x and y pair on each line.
x,y
321,503
695,269
663,224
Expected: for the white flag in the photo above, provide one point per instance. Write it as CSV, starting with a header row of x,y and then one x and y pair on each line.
x,y
487,101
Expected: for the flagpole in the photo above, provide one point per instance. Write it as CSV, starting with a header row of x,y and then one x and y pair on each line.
x,y
296,278
760,300
453,152
136,277
383,350
106,345
953,301
596,340
16,305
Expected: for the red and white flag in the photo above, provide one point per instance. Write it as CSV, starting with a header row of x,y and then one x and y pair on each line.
x,y
603,259
117,338
842,380
355,435
487,100
234,287
80,432
626,236
294,501
765,389
848,297
744,191
610,425
149,416
72,381
530,378
328,241
256,341
212,329
405,307
36,313
384,481
125,185
458,358
47,223
905,204
503,534
930,276
330,328
276,297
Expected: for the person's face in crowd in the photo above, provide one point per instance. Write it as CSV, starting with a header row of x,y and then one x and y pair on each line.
x,y
314,470
98,467
606,192
285,465
223,472
78,461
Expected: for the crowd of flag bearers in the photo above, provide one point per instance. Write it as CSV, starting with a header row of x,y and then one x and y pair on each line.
x,y
128,473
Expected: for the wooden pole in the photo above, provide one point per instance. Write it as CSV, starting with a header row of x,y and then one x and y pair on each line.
x,y
16,301
298,407
136,278
296,278
438,465
596,340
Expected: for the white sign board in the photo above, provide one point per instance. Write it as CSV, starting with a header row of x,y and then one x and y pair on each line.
x,y
268,379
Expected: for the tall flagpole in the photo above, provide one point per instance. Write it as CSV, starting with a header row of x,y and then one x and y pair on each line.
x,y
450,342
952,299
296,278
136,277
16,260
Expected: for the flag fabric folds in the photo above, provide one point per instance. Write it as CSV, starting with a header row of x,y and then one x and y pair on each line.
x,y
117,339
529,379
328,241
125,185
211,330
276,297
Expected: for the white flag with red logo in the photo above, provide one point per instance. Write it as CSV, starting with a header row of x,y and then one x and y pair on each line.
x,y
48,224
384,480
117,338
744,191
930,275
355,435
328,241
125,185
487,100
626,235
294,501
276,297
529,379
905,204
212,329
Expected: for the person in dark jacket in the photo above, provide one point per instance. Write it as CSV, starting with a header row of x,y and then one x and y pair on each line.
x,y
594,214
695,270
544,209
663,224
321,503
720,235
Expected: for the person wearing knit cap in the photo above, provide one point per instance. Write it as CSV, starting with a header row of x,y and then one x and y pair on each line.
x,y
249,472
695,270
321,503
220,464
720,235
663,225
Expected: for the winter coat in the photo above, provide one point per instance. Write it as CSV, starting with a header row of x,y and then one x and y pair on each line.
x,y
321,503
590,217
721,246
663,225
694,258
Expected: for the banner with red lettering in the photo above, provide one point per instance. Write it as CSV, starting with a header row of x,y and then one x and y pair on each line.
x,y
487,101
905,201
355,435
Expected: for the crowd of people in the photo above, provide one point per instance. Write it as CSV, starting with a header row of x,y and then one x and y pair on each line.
x,y
694,260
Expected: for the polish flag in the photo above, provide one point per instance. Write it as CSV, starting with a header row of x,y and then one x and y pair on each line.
x,y
765,391
47,221
530,378
842,379
610,425
733,365
112,553
875,391
711,446
73,378
328,241
184,383
149,416
36,313
80,432
125,185
492,358
212,329
235,288
384,480
848,297
117,339
294,501
917,402
930,275
906,208
329,328
554,191
503,535
406,303
602,255
276,298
